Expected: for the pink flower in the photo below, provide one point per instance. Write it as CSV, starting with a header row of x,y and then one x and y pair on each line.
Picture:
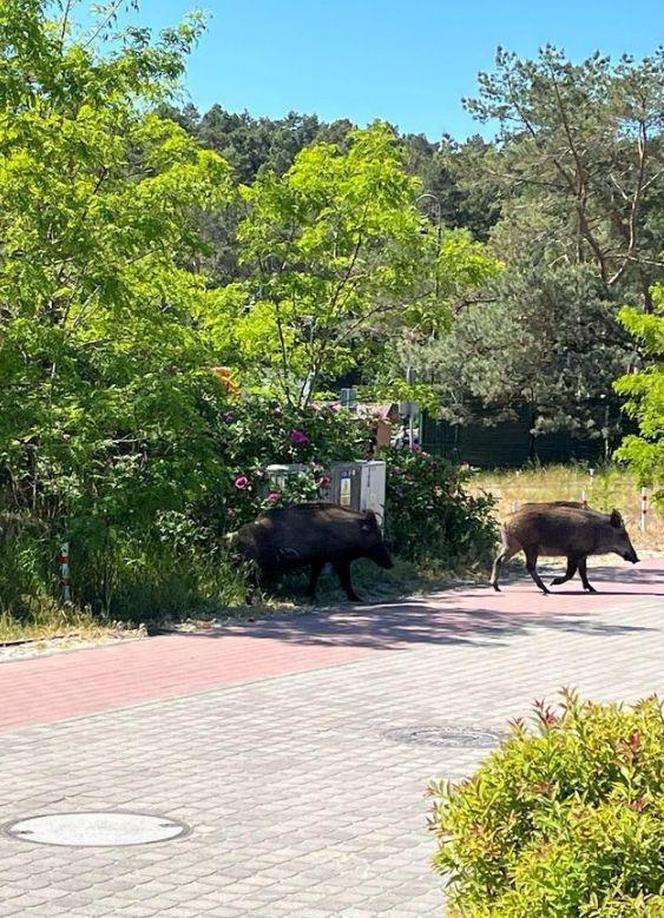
x,y
325,480
241,482
299,437
274,496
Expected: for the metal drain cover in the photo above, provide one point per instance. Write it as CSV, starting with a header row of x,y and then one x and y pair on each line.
x,y
450,735
95,830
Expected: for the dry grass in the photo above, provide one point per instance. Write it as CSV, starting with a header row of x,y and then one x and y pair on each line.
x,y
607,488
48,620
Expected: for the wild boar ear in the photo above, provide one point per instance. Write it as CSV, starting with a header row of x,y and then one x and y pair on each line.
x,y
616,519
370,523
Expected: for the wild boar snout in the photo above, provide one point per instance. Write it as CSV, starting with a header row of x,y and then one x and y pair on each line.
x,y
381,556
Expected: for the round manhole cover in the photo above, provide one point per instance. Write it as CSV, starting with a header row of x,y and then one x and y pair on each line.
x,y
92,830
445,736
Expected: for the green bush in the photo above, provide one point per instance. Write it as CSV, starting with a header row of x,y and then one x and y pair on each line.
x,y
566,821
429,516
261,431
147,539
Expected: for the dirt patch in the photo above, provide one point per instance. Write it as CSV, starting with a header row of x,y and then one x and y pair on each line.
x,y
26,649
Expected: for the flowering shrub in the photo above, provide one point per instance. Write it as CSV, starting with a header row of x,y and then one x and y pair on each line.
x,y
299,438
258,432
429,516
567,820
305,486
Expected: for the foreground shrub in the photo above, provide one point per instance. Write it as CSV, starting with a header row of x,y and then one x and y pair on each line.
x,y
430,517
564,821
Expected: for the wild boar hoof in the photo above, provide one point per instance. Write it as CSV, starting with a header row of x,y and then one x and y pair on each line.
x,y
496,587
590,589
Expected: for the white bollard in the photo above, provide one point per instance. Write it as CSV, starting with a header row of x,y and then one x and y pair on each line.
x,y
584,498
644,509
64,571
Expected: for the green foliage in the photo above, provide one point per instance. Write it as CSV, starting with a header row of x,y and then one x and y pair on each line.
x,y
546,338
164,554
458,193
330,244
174,567
567,820
108,408
255,145
338,263
106,397
258,432
580,159
576,175
114,432
429,517
645,391
459,189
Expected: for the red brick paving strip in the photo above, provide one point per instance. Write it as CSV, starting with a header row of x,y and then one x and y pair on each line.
x,y
62,686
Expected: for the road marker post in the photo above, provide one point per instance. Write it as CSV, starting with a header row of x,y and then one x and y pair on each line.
x,y
643,522
64,571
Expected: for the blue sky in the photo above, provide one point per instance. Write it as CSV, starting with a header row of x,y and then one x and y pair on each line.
x,y
407,62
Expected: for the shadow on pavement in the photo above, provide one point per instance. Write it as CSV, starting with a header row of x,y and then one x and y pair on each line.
x,y
477,616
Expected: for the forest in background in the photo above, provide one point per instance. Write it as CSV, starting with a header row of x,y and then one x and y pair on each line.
x,y
568,196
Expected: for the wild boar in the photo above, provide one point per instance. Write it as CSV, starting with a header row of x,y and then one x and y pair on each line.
x,y
562,529
313,534
556,503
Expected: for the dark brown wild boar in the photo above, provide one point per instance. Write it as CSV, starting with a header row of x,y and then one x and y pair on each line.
x,y
313,534
558,529
556,503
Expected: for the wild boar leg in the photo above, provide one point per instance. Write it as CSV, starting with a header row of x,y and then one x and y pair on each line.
x,y
583,571
505,554
531,567
316,568
569,573
342,569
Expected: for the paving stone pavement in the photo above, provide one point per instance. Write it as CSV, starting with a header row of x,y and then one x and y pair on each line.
x,y
299,804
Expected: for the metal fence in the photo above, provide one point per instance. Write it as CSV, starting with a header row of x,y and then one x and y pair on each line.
x,y
511,444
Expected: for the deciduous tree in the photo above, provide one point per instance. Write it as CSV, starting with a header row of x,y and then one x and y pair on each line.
x,y
645,391
106,394
340,261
